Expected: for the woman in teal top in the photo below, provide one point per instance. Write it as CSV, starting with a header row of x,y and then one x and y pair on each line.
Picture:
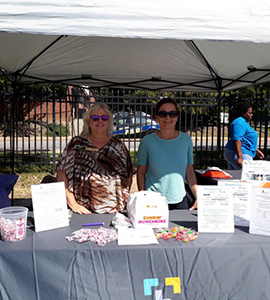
x,y
165,158
243,139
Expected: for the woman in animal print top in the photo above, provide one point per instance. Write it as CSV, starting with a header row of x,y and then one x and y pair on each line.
x,y
95,166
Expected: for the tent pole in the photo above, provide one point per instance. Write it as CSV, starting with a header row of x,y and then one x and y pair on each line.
x,y
54,132
14,85
219,154
266,125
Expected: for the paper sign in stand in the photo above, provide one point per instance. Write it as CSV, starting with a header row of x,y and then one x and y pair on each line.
x,y
49,206
260,211
215,209
241,197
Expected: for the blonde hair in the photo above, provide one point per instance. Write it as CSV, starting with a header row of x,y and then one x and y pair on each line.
x,y
92,111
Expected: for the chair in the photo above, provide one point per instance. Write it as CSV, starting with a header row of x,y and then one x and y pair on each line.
x,y
7,183
49,179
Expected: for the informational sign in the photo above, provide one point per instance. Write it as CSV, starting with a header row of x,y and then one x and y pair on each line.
x,y
49,206
260,211
256,170
215,209
241,196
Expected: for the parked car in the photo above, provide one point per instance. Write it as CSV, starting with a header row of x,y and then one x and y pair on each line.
x,y
123,114
120,115
132,125
139,114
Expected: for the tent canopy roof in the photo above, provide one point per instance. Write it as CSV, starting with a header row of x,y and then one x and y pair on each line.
x,y
138,44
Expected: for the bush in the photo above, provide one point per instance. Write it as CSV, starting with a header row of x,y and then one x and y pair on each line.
x,y
60,130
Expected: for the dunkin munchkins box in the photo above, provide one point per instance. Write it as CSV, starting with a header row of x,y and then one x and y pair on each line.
x,y
148,209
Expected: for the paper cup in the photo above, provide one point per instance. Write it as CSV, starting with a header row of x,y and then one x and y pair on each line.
x,y
13,221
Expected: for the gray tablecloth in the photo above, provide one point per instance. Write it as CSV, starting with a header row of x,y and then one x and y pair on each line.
x,y
215,266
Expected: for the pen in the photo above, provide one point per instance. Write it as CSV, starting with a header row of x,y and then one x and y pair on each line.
x,y
94,224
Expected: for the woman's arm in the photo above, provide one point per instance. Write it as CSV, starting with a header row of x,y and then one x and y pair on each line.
x,y
130,181
238,151
77,208
260,154
141,175
192,182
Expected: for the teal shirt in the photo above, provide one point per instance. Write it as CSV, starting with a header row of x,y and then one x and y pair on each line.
x,y
166,162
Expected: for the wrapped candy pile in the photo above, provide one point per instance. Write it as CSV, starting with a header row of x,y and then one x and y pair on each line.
x,y
178,233
13,230
100,236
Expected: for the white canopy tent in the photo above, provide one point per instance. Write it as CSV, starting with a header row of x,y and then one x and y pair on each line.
x,y
192,45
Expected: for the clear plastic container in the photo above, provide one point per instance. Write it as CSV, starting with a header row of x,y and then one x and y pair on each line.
x,y
13,223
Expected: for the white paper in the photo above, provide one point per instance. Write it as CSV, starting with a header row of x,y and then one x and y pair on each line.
x,y
260,211
140,236
256,170
242,194
49,206
215,209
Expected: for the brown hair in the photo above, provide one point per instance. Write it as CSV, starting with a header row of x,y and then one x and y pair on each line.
x,y
164,101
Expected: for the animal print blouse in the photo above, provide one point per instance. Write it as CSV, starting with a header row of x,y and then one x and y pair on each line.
x,y
97,177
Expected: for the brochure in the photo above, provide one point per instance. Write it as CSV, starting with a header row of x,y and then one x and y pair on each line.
x,y
241,196
139,236
215,209
260,211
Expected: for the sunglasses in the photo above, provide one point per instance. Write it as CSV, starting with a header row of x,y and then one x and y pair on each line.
x,y
172,114
95,118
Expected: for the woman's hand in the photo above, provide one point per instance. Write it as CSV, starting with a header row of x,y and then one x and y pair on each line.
x,y
239,162
260,154
194,206
79,209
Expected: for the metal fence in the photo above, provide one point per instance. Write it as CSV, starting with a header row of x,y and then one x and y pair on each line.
x,y
36,126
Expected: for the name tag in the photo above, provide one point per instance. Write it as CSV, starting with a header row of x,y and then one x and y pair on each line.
x,y
91,149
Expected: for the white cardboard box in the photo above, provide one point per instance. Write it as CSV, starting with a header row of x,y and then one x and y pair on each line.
x,y
148,209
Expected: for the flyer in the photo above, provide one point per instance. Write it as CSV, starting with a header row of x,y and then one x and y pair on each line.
x,y
241,195
139,236
49,206
256,170
260,211
215,209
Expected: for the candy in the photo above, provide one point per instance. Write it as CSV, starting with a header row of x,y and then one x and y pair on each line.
x,y
13,230
100,236
178,233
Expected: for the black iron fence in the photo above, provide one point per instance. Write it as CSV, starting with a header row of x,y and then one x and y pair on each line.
x,y
36,126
